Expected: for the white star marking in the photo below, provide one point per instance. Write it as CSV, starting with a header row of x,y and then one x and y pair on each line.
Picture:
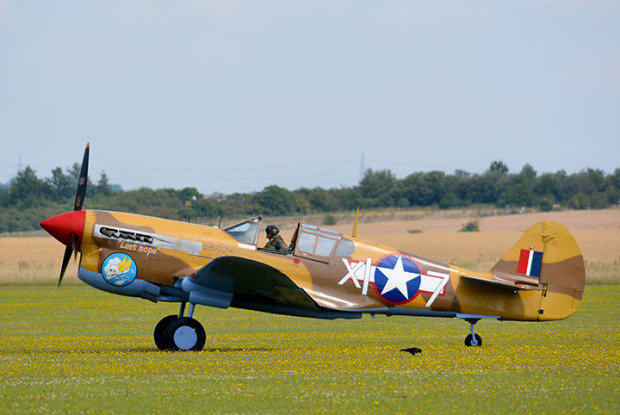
x,y
397,278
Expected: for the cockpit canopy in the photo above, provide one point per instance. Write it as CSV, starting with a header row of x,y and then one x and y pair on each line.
x,y
246,231
309,241
320,241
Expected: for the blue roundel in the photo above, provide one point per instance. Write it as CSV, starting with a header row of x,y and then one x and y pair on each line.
x,y
119,270
397,279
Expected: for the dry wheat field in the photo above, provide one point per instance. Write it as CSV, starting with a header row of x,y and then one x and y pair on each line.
x,y
28,260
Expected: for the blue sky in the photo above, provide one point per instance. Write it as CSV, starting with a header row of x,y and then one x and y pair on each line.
x,y
238,95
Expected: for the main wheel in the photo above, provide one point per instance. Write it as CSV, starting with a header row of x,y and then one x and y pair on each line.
x,y
185,333
160,329
470,341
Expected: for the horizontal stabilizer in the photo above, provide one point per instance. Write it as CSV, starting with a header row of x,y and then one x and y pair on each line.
x,y
498,282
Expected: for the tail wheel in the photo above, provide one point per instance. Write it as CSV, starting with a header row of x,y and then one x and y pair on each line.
x,y
184,333
160,329
474,340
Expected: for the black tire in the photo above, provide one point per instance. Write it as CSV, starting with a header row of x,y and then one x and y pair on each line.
x,y
160,329
185,333
468,341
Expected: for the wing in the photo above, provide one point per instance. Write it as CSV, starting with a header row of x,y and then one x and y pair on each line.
x,y
243,283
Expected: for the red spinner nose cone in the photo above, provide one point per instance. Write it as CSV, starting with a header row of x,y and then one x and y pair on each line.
x,y
62,226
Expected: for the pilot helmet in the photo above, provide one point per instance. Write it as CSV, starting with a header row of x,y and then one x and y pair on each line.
x,y
272,230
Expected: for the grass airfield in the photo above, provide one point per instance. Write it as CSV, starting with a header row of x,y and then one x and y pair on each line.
x,y
79,350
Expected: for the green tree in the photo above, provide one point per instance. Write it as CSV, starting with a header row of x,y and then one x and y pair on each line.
x,y
320,200
74,172
103,185
301,203
613,187
499,167
450,200
596,177
460,184
28,190
346,198
425,189
4,196
482,188
580,188
377,188
63,186
546,202
598,200
528,173
209,208
519,188
549,184
275,200
614,179
189,193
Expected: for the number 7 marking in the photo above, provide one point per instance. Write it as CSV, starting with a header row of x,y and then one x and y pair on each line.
x,y
445,278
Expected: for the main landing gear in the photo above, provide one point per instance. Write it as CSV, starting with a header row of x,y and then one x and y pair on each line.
x,y
473,339
175,332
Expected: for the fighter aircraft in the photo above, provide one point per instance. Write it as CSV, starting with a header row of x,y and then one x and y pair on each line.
x,y
324,274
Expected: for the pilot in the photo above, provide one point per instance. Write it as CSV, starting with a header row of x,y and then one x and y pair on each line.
x,y
276,243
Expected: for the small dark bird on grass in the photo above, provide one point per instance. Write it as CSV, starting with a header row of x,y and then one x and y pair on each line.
x,y
412,350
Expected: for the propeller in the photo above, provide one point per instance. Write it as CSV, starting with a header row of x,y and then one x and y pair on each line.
x,y
77,205
82,182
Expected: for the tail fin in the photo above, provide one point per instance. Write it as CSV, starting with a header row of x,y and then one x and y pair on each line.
x,y
547,255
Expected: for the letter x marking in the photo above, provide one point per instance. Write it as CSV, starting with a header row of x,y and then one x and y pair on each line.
x,y
351,273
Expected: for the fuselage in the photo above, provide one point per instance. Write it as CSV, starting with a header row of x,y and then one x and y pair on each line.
x,y
149,257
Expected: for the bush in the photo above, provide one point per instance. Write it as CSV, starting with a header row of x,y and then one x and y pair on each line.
x,y
546,203
598,201
471,226
330,220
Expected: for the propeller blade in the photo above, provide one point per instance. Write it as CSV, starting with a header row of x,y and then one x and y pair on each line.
x,y
65,262
60,226
83,181
75,245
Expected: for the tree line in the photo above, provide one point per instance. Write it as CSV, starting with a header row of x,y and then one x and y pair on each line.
x,y
29,199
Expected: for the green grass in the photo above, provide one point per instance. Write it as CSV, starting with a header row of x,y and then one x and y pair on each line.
x,y
78,350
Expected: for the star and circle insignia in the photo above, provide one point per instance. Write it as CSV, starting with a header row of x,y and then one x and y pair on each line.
x,y
397,279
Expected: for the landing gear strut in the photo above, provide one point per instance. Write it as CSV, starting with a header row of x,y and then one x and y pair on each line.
x,y
473,339
175,332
